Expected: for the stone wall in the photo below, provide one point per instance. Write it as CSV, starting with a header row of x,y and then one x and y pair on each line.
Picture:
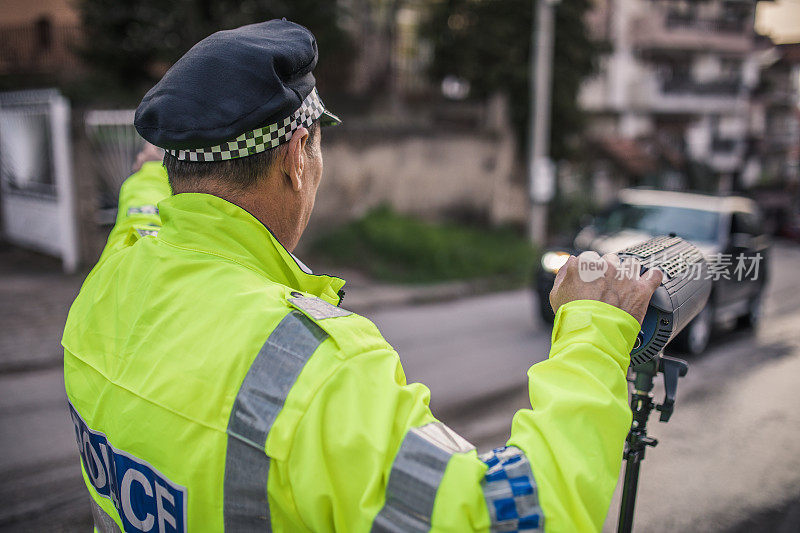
x,y
424,173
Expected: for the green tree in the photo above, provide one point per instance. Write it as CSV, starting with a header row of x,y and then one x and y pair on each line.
x,y
487,42
127,44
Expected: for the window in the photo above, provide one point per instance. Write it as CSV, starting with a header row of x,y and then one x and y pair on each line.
x,y
692,224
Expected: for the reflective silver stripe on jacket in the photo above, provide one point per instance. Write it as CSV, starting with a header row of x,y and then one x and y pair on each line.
x,y
144,232
414,480
260,399
102,520
147,209
510,491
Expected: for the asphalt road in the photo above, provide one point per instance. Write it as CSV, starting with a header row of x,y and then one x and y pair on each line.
x,y
729,460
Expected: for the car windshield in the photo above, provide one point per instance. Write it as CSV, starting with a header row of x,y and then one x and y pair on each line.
x,y
691,224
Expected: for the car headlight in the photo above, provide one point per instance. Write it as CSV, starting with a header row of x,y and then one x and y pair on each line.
x,y
552,261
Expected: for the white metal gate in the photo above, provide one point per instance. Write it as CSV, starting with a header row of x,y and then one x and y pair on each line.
x,y
115,143
38,204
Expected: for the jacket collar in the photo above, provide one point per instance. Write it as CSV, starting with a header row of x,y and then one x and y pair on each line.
x,y
209,224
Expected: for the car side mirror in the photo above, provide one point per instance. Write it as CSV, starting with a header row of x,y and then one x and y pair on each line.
x,y
741,241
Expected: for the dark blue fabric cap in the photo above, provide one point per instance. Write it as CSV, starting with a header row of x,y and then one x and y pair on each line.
x,y
229,83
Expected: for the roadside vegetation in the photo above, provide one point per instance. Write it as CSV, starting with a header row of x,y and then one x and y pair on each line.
x,y
397,248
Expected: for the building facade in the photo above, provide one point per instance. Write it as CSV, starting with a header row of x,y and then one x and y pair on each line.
x,y
675,89
37,39
776,114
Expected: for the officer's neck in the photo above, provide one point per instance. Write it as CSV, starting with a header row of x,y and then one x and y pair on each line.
x,y
272,201
274,212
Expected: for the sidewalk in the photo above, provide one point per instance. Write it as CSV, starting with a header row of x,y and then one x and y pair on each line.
x,y
34,299
363,295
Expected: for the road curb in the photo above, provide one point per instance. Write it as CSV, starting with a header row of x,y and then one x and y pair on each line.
x,y
381,296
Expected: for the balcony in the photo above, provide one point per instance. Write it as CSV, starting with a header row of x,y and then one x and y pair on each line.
x,y
664,31
721,87
683,95
678,22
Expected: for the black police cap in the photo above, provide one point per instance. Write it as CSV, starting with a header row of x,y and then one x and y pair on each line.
x,y
235,93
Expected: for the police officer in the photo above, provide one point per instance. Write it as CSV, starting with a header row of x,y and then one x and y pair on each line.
x,y
215,384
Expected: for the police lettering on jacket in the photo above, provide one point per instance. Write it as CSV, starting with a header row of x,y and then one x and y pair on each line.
x,y
145,499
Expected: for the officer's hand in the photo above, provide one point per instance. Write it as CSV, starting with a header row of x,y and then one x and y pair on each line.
x,y
591,277
148,153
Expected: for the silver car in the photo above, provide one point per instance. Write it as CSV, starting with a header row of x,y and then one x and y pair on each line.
x,y
727,229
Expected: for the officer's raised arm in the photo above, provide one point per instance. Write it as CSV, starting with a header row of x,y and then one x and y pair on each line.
x,y
138,200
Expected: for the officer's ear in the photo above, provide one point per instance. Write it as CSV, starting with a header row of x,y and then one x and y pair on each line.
x,y
294,158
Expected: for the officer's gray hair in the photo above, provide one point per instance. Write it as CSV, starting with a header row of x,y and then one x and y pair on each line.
x,y
237,174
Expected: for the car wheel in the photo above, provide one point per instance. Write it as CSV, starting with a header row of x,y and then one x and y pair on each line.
x,y
754,311
694,339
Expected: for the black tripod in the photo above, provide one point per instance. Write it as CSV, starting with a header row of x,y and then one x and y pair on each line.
x,y
637,441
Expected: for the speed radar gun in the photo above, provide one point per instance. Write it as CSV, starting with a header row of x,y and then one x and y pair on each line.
x,y
680,297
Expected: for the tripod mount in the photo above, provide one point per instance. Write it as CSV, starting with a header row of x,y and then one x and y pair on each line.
x,y
641,404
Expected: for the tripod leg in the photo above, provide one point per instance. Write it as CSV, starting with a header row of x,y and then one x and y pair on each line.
x,y
629,492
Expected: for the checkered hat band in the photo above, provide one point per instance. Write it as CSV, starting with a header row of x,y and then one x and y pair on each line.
x,y
256,141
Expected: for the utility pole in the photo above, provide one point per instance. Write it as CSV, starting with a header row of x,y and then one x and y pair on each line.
x,y
541,172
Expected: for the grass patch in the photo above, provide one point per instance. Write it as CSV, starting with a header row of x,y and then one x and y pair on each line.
x,y
398,248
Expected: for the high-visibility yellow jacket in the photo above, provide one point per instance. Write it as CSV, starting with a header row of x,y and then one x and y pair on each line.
x,y
215,385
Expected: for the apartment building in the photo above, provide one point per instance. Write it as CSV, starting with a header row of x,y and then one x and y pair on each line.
x,y
674,91
776,114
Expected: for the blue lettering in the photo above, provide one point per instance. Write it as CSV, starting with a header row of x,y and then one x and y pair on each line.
x,y
144,498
